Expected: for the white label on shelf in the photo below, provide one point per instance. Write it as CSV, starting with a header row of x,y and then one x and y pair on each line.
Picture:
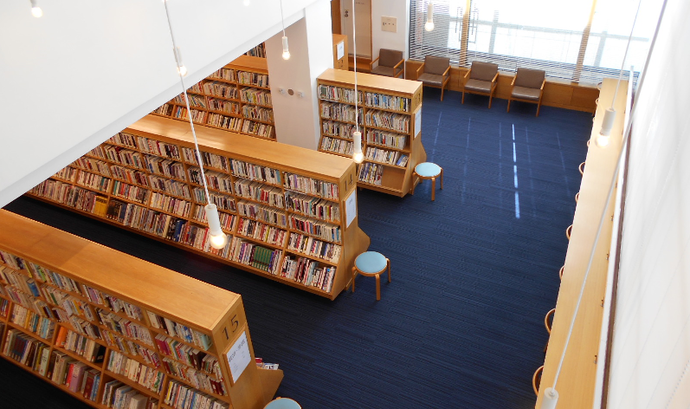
x,y
239,356
418,122
341,50
351,207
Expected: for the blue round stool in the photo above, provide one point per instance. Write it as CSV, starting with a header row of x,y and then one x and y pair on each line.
x,y
371,264
282,403
428,170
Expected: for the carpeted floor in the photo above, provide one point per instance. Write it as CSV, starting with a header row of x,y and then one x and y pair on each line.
x,y
461,324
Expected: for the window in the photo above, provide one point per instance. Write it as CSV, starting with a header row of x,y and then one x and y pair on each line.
x,y
541,34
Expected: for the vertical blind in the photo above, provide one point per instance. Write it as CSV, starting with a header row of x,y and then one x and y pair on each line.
x,y
582,41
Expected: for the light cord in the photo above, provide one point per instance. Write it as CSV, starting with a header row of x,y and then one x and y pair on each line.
x,y
354,50
282,18
625,55
189,111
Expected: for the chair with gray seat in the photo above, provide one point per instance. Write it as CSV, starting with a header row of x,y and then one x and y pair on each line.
x,y
435,72
527,86
390,63
481,79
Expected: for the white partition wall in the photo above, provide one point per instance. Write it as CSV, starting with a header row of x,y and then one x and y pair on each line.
x,y
650,361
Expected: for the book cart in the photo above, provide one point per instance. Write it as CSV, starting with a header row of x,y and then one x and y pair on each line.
x,y
236,98
290,212
390,113
116,331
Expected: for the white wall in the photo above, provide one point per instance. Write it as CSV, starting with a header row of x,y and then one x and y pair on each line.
x,y
88,69
651,340
384,39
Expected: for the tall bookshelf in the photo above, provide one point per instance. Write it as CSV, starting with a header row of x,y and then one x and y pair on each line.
x,y
290,212
236,98
109,328
390,113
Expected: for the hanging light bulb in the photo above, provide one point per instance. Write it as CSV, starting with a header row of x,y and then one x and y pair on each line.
x,y
602,139
286,50
181,69
246,3
35,10
357,154
217,238
550,398
429,26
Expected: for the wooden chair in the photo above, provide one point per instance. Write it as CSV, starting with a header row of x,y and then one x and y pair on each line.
x,y
536,379
390,63
527,86
481,79
548,320
428,171
435,72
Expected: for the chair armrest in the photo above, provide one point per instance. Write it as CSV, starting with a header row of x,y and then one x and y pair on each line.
x,y
395,67
420,67
512,83
495,78
467,74
446,71
371,64
542,84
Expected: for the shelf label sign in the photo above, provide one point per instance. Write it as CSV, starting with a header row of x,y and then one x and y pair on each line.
x,y
239,357
351,207
418,123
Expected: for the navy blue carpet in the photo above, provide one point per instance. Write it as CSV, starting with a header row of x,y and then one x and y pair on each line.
x,y
474,273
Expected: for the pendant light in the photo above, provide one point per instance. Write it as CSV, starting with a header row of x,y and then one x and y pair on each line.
x,y
357,154
217,238
286,49
35,9
429,26
603,137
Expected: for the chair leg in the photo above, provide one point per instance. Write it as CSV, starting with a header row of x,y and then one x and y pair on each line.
x,y
442,89
441,178
354,275
433,189
388,262
538,107
491,97
378,287
508,110
463,96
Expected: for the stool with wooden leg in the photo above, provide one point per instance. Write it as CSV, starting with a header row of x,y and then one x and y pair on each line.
x,y
282,403
428,170
371,264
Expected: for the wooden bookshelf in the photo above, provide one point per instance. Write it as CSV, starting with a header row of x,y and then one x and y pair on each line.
x,y
390,113
283,207
96,323
236,98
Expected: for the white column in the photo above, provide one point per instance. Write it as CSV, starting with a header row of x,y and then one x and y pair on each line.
x,y
293,82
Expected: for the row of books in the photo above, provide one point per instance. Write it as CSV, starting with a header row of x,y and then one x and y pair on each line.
x,y
339,94
260,231
168,186
164,167
227,74
261,213
32,322
371,173
324,231
314,248
181,331
73,196
258,129
339,129
128,175
132,348
224,106
220,89
311,186
211,160
388,139
255,172
95,165
197,379
130,192
67,173
148,145
123,326
308,272
257,191
313,207
252,78
81,345
228,221
257,113
118,395
256,97
341,112
385,156
256,256
188,355
93,181
382,119
230,123
170,204
180,396
126,140
334,145
136,371
198,116
195,101
370,99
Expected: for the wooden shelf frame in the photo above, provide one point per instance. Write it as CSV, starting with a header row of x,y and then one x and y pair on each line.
x,y
216,313
394,178
201,100
175,137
